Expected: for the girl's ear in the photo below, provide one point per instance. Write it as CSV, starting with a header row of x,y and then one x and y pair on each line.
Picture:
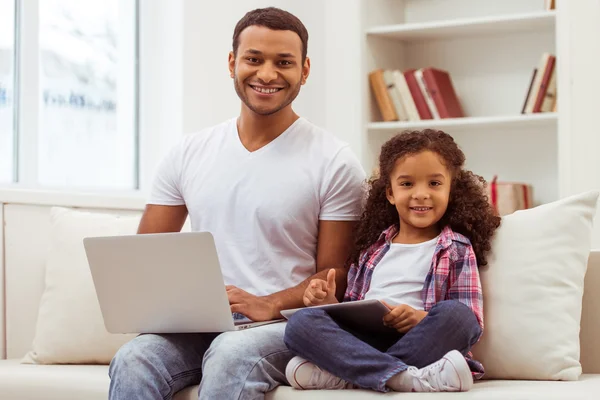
x,y
390,195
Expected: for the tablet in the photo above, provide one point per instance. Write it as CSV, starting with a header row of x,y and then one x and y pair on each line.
x,y
363,314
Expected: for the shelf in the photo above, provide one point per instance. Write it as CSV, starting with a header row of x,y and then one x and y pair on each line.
x,y
467,27
529,121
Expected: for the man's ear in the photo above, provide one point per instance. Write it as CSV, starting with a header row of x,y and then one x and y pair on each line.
x,y
231,63
305,70
390,195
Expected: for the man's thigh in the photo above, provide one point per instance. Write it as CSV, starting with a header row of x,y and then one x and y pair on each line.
x,y
258,342
245,362
167,360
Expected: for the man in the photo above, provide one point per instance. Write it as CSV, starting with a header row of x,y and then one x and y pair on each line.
x,y
279,196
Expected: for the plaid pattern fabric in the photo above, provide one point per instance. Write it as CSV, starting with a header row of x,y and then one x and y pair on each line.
x,y
453,275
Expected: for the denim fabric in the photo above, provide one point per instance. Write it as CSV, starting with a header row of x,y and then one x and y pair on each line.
x,y
233,365
369,360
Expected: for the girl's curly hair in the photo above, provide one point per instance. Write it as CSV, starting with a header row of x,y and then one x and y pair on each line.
x,y
468,212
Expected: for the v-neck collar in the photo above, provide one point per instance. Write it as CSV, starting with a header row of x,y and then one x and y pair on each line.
x,y
264,148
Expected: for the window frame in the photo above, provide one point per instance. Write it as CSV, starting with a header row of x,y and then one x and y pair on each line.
x,y
161,76
27,101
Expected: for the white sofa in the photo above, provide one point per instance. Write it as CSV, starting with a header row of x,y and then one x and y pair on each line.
x,y
24,244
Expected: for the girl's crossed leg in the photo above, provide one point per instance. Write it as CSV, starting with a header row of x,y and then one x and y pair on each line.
x,y
437,344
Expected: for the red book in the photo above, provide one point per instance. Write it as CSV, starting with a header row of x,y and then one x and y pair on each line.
x,y
439,85
416,94
544,84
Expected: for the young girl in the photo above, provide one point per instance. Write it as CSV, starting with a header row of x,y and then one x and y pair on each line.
x,y
426,228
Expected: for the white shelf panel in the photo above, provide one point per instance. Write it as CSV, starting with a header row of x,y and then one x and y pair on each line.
x,y
528,121
534,22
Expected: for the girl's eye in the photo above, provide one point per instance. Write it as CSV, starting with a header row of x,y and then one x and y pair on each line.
x,y
407,184
435,183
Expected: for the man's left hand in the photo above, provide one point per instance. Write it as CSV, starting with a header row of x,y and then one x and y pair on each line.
x,y
257,308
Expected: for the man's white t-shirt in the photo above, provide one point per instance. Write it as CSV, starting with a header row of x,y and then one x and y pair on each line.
x,y
262,207
400,275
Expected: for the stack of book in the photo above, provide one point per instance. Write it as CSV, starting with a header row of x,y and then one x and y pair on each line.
x,y
541,95
413,95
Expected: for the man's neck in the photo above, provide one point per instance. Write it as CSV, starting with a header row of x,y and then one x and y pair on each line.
x,y
257,131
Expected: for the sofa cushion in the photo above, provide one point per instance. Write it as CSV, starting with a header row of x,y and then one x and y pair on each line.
x,y
57,382
53,382
70,328
533,289
586,388
91,382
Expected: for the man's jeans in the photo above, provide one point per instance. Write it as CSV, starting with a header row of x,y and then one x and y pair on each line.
x,y
370,360
233,365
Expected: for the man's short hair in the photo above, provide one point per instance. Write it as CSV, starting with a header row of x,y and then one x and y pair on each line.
x,y
275,19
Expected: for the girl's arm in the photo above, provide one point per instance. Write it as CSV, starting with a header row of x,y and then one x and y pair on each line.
x,y
464,282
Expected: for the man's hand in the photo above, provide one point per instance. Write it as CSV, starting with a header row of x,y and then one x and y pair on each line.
x,y
402,317
320,292
256,308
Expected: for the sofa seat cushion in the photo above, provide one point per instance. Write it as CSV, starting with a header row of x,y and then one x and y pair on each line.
x,y
53,382
586,388
90,382
58,382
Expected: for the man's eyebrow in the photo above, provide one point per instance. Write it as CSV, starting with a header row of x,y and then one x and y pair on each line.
x,y
259,53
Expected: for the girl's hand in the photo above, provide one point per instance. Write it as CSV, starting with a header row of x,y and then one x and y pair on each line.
x,y
402,317
320,292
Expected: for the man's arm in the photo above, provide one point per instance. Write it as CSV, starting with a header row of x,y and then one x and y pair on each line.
x,y
333,248
162,219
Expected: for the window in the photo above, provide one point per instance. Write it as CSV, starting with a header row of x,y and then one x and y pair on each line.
x,y
7,40
87,127
76,80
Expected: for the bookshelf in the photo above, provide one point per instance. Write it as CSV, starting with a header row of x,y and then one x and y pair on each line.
x,y
525,22
490,50
546,121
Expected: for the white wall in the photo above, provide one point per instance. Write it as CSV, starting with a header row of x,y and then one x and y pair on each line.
x,y
579,133
344,87
161,82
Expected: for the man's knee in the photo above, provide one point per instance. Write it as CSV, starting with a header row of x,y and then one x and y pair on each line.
x,y
245,362
238,347
227,347
135,357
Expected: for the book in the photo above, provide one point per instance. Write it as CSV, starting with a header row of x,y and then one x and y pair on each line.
x,y
426,94
407,98
547,74
394,93
550,97
382,97
537,82
440,88
529,91
417,95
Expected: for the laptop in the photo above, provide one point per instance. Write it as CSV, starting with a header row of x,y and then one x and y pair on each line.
x,y
161,283
365,315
